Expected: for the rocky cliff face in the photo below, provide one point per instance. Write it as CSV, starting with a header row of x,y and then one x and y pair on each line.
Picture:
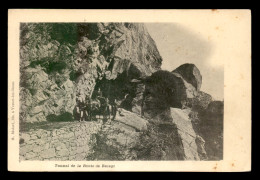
x,y
62,62
209,125
163,115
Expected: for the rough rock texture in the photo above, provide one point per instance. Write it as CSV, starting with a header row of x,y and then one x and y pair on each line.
x,y
137,102
208,124
124,141
161,141
188,144
212,118
85,140
115,142
73,141
116,48
188,136
200,102
79,55
43,97
132,120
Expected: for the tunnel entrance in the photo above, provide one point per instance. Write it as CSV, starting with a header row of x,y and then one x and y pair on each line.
x,y
121,89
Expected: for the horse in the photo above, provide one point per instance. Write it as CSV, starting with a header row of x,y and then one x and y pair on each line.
x,y
105,108
93,108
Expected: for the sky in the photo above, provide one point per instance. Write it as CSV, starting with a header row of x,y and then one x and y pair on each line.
x,y
179,43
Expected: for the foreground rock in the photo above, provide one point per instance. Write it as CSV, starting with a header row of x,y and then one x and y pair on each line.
x,y
132,120
123,140
188,136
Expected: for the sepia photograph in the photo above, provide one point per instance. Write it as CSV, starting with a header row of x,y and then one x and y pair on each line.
x,y
97,91
119,91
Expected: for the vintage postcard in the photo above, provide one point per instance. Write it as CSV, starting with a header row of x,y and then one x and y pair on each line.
x,y
129,90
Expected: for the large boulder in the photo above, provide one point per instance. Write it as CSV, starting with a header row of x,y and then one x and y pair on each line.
x,y
163,89
131,119
191,74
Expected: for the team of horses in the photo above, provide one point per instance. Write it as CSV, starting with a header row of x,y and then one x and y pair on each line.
x,y
98,107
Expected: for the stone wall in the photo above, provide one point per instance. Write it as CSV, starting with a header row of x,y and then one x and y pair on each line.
x,y
71,142
77,141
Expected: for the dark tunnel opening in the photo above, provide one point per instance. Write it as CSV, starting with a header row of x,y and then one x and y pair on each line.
x,y
121,89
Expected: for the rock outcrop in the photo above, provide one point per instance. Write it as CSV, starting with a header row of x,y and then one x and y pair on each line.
x,y
41,96
200,102
126,139
164,89
79,55
116,49
209,126
185,130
